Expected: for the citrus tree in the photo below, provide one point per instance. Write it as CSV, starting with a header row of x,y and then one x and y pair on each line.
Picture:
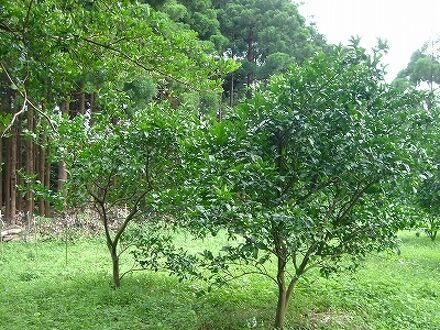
x,y
301,176
118,166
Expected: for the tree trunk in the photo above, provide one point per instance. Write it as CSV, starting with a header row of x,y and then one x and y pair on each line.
x,y
82,99
231,92
47,209
62,173
13,176
19,167
250,77
30,167
42,178
93,105
282,291
1,172
7,181
115,265
281,307
4,108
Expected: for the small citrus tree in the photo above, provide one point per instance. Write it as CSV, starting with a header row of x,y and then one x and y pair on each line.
x,y
302,175
118,165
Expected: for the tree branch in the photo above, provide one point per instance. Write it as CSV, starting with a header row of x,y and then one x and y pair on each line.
x,y
14,118
121,54
129,217
348,206
24,95
26,20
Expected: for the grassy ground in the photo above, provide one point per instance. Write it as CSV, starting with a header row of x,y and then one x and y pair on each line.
x,y
39,291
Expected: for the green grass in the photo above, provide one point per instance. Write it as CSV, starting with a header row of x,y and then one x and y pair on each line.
x,y
39,291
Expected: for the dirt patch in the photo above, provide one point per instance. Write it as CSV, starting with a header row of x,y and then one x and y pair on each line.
x,y
319,319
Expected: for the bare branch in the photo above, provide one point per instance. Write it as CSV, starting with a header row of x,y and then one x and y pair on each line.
x,y
245,273
131,270
125,248
23,93
14,118
6,28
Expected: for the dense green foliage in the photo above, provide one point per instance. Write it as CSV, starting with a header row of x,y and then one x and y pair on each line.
x,y
56,43
263,36
117,109
303,172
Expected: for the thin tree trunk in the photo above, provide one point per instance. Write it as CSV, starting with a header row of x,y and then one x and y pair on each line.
x,y
41,176
250,78
47,208
30,167
13,175
19,167
40,169
115,265
231,92
4,108
1,172
281,307
62,173
93,106
7,181
282,292
82,99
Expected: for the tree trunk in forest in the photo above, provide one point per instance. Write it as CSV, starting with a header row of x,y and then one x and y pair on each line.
x,y
8,107
19,166
2,169
93,106
30,167
4,108
231,91
47,208
13,176
7,181
62,173
42,178
250,78
82,99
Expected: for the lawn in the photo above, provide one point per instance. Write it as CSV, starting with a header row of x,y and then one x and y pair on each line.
x,y
40,291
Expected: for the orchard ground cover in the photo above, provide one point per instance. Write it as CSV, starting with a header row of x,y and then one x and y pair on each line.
x,y
39,290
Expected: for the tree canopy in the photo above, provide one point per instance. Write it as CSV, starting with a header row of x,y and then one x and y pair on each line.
x,y
302,174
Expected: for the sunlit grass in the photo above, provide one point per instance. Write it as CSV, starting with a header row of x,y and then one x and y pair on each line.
x,y
40,291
